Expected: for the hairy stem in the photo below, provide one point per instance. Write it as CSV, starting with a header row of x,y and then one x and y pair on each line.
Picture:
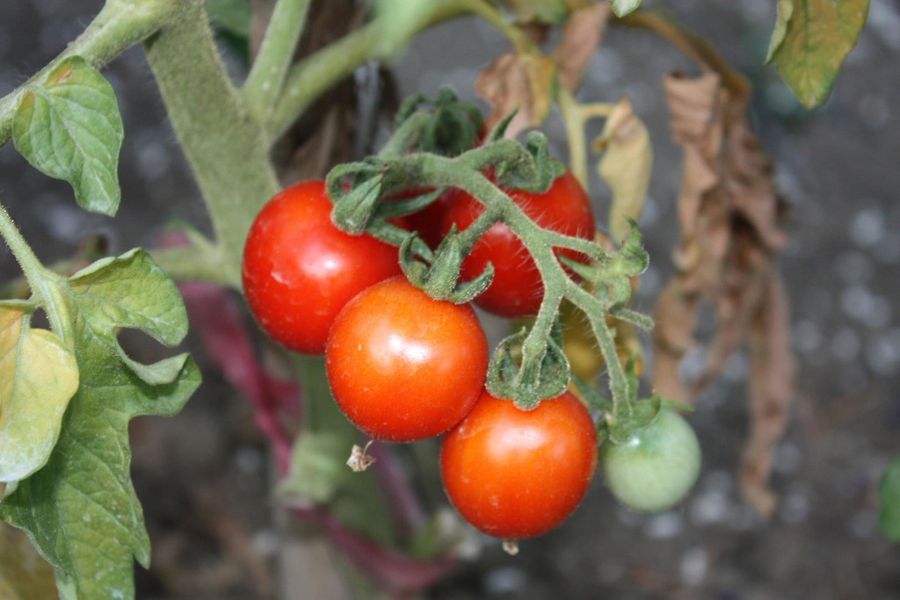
x,y
266,77
225,146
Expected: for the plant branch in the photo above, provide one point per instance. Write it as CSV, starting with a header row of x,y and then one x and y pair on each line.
x,y
270,67
312,76
43,283
225,146
691,45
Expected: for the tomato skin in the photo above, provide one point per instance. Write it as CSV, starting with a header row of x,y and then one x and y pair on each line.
x,y
516,474
403,366
299,269
517,290
654,470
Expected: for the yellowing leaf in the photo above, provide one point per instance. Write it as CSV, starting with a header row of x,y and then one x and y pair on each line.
x,y
523,82
810,42
625,166
38,377
24,575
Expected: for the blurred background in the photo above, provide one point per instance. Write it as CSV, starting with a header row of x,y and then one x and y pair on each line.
x,y
203,475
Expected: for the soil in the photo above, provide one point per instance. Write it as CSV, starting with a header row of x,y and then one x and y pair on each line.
x,y
205,477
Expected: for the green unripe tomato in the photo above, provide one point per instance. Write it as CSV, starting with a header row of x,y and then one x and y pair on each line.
x,y
654,470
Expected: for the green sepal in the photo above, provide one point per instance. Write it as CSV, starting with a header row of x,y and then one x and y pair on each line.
x,y
527,381
439,277
532,170
620,427
453,128
354,208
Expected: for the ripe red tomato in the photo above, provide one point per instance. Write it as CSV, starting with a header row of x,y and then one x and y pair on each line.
x,y
516,474
299,269
403,366
517,290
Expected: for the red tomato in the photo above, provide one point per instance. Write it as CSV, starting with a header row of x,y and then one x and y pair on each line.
x,y
517,290
299,269
403,366
517,474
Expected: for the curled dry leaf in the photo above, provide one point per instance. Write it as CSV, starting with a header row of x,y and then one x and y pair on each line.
x,y
581,37
625,166
730,218
518,81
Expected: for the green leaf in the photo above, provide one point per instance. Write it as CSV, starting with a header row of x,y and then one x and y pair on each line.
x,y
38,376
889,493
811,40
80,509
68,126
232,16
623,7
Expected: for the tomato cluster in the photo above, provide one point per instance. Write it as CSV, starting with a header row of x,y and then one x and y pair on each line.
x,y
403,366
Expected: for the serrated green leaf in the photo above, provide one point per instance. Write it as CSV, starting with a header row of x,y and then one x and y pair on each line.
x,y
80,509
129,291
889,494
811,40
38,376
68,126
24,575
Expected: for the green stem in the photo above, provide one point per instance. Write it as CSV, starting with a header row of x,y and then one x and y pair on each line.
x,y
44,284
276,53
119,25
223,143
690,44
311,77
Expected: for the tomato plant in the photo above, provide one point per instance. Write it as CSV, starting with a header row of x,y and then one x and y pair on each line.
x,y
403,366
299,270
656,466
517,289
406,358
517,474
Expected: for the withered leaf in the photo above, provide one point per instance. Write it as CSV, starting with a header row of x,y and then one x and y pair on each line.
x,y
730,219
518,81
581,37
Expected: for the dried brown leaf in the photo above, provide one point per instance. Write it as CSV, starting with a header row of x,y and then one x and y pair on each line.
x,y
771,391
518,81
581,37
675,318
730,214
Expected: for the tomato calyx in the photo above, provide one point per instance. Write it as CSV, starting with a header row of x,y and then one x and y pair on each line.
x,y
528,372
439,278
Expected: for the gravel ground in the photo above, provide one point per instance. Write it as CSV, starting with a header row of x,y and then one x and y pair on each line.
x,y
842,267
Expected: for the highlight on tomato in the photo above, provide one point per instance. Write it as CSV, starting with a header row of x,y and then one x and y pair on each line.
x,y
517,474
299,270
517,290
403,366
